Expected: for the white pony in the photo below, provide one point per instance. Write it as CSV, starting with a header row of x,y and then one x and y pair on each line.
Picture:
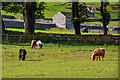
x,y
39,43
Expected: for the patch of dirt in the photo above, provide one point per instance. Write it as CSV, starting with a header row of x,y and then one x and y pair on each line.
x,y
12,55
63,53
40,75
32,52
8,52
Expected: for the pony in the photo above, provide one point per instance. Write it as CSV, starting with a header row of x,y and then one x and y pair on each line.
x,y
39,43
98,52
22,54
33,43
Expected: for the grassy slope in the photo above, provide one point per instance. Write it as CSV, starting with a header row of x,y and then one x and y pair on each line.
x,y
53,8
59,62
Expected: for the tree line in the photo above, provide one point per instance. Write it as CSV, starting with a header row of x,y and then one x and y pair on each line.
x,y
31,10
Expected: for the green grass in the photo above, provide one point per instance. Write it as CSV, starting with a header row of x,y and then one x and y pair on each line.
x,y
110,23
57,31
11,14
55,61
54,7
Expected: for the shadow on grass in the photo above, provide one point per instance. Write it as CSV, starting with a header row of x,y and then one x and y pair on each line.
x,y
33,60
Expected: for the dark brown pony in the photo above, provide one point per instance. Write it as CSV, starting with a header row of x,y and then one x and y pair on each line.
x,y
97,53
22,54
33,43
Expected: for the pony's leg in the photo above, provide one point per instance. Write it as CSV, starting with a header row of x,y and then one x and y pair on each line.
x,y
102,58
34,46
38,46
31,45
23,58
20,56
41,46
96,58
99,58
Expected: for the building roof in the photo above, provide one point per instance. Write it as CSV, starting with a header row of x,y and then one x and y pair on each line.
x,y
67,14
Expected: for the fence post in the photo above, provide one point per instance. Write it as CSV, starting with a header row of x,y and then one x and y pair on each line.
x,y
33,37
20,38
7,37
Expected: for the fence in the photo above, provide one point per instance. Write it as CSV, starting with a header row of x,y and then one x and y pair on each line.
x,y
55,38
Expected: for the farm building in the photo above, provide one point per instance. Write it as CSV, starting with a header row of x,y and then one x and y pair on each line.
x,y
63,19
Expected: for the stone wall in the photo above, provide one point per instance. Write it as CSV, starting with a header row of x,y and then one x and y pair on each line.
x,y
85,39
9,21
19,24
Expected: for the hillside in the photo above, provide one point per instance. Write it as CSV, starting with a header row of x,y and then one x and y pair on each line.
x,y
53,8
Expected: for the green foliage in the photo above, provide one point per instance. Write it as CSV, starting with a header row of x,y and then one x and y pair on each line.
x,y
16,7
12,7
83,13
40,6
106,13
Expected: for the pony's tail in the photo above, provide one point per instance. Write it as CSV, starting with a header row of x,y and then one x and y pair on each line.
x,y
103,52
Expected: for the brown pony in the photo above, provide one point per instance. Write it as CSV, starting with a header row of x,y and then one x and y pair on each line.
x,y
33,43
22,54
98,52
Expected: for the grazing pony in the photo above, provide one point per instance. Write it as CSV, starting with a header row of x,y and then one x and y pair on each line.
x,y
33,43
22,54
39,43
98,52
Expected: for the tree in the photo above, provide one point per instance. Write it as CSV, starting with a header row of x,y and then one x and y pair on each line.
x,y
29,16
3,28
105,16
28,9
79,15
75,14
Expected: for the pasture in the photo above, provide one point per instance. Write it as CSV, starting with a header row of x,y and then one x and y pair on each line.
x,y
58,61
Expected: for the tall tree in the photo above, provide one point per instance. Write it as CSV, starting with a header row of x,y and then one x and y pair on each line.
x,y
105,15
79,15
28,9
75,14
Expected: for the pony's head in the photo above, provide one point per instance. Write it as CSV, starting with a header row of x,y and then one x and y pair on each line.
x,y
93,57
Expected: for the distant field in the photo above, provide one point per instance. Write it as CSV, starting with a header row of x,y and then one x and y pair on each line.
x,y
52,8
110,23
56,31
58,61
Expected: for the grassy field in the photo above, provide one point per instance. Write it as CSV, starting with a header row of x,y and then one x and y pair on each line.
x,y
58,61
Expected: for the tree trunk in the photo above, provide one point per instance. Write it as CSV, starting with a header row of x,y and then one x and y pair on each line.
x,y
73,10
77,27
75,14
76,9
29,17
3,28
103,18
